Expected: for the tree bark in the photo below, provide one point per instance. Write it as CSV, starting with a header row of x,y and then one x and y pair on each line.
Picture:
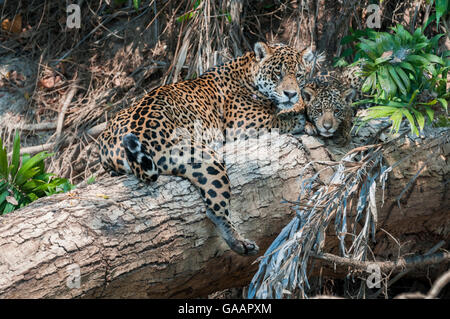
x,y
130,240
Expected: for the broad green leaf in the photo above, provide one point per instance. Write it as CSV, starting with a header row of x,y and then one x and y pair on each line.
x,y
347,39
32,197
402,33
416,59
444,103
379,111
396,119
369,82
435,40
25,158
394,75
385,81
3,196
15,156
32,184
347,52
396,104
3,162
404,77
136,4
431,69
33,162
420,119
441,9
44,177
430,113
408,66
363,101
24,176
430,19
432,102
420,45
433,58
381,60
8,208
412,123
413,97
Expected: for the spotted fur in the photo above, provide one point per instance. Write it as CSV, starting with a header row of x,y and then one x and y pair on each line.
x,y
157,135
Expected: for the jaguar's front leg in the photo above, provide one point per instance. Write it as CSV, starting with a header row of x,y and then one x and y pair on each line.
x,y
310,128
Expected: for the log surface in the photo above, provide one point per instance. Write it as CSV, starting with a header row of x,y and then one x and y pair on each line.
x,y
130,240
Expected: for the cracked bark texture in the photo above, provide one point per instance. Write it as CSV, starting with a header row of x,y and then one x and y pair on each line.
x,y
130,240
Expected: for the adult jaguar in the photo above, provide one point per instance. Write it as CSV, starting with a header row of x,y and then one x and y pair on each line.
x,y
155,136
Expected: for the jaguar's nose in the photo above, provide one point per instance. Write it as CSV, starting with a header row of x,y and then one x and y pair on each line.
x,y
327,125
290,94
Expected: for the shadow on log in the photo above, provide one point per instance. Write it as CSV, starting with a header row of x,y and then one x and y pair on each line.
x,y
120,238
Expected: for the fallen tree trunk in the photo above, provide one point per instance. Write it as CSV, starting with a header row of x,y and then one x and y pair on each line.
x,y
119,238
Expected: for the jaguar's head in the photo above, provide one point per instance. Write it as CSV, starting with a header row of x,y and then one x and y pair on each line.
x,y
280,72
327,105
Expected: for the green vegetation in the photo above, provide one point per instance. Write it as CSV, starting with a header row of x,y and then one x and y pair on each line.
x,y
23,181
405,76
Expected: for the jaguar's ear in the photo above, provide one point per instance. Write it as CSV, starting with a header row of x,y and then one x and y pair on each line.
x,y
311,58
348,95
308,94
262,50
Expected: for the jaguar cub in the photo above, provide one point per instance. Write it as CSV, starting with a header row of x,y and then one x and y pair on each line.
x,y
328,110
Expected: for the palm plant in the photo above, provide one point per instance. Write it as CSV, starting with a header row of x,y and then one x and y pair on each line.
x,y
403,76
23,181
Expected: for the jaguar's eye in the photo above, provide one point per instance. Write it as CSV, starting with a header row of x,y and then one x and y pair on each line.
x,y
277,74
336,112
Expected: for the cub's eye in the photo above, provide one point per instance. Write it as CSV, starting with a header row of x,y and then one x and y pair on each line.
x,y
299,75
336,112
277,74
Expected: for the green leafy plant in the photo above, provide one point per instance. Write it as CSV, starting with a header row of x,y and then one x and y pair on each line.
x,y
398,64
189,15
404,75
351,50
24,180
90,180
136,4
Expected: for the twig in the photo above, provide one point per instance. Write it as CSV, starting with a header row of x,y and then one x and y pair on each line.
x,y
93,131
36,149
438,285
62,113
385,266
405,272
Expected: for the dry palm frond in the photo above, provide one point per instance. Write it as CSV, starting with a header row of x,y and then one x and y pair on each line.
x,y
348,199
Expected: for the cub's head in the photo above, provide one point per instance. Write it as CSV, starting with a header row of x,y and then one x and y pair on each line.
x,y
327,105
280,71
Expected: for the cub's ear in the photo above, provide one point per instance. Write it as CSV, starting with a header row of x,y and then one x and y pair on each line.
x,y
311,58
262,50
308,94
348,95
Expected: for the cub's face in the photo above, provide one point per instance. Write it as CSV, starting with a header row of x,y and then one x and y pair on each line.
x,y
280,72
327,106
